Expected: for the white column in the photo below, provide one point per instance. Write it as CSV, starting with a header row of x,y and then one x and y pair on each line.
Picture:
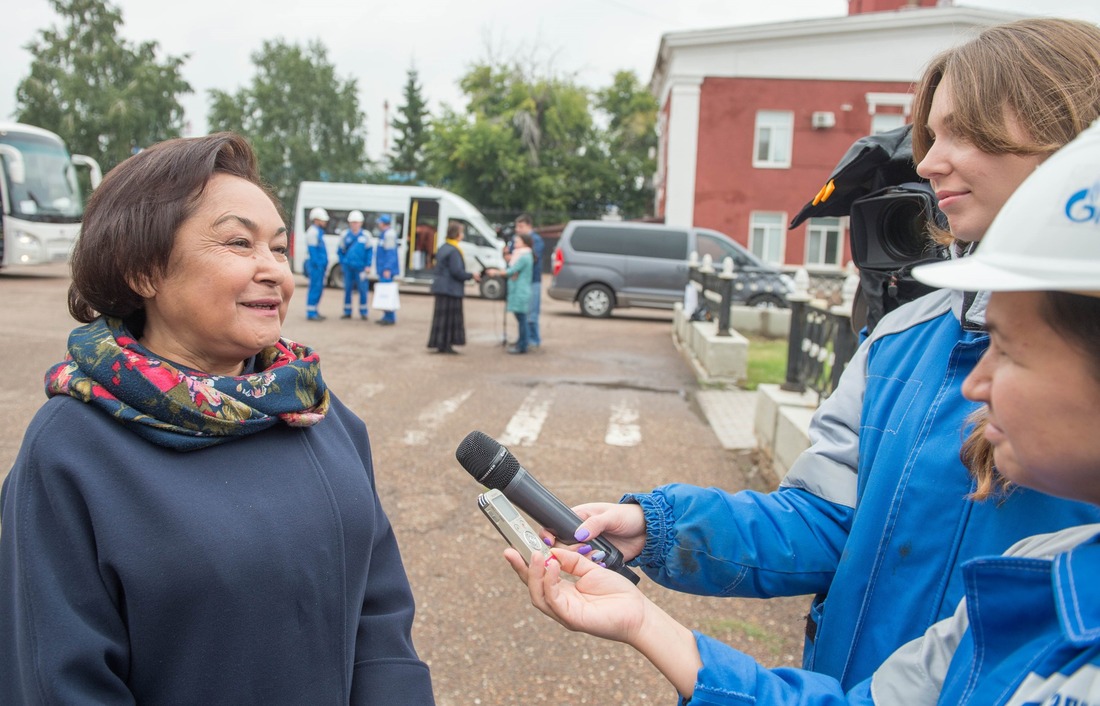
x,y
683,146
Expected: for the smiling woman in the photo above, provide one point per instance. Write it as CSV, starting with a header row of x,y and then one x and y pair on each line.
x,y
191,466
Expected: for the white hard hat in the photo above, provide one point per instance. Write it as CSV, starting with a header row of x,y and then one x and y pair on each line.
x,y
318,214
355,217
1046,237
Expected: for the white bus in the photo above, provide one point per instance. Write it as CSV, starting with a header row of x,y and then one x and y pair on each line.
x,y
420,216
40,198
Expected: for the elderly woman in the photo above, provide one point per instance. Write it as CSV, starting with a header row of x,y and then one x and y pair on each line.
x,y
448,286
192,516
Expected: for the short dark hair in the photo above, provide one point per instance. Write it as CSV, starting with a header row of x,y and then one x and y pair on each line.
x,y
525,218
453,229
1077,318
131,221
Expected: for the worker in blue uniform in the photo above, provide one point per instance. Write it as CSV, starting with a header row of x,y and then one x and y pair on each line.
x,y
386,263
355,258
317,264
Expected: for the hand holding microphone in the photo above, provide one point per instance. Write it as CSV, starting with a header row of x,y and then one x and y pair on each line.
x,y
495,467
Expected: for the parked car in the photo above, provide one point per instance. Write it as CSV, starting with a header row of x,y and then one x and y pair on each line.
x,y
605,265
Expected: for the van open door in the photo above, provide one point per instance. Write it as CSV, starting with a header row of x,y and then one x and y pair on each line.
x,y
422,236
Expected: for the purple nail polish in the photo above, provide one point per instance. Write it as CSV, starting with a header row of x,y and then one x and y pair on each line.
x,y
599,555
602,564
547,541
584,549
581,534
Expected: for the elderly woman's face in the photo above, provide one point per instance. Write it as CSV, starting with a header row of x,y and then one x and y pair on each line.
x,y
228,284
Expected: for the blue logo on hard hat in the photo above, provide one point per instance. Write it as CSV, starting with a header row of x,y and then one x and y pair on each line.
x,y
384,219
1084,206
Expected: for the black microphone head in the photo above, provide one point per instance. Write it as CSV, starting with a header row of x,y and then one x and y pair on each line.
x,y
487,460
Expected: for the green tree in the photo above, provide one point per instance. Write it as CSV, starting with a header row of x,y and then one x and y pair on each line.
x,y
407,162
103,95
630,142
525,142
303,121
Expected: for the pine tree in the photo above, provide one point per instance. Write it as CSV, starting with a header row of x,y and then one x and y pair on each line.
x,y
407,162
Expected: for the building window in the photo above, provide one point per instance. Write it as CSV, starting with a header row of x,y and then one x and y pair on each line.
x,y
884,122
766,237
773,139
823,242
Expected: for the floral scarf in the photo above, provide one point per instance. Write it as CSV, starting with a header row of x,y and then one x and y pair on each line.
x,y
184,409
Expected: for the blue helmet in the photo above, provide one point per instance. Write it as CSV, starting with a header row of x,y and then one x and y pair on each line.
x,y
384,219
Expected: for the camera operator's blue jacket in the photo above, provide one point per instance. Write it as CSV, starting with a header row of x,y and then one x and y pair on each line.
x,y
1028,632
873,518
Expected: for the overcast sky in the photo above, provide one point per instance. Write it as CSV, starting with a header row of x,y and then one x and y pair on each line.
x,y
376,42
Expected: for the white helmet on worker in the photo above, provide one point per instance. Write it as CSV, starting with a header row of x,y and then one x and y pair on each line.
x,y
1047,235
318,214
355,217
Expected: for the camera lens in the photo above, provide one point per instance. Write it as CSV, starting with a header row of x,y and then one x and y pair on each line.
x,y
902,229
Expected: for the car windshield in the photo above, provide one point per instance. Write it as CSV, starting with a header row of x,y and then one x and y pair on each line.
x,y
741,256
49,190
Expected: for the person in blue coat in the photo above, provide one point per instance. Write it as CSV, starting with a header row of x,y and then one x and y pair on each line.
x,y
316,262
520,263
875,514
193,516
525,224
386,264
1027,630
355,257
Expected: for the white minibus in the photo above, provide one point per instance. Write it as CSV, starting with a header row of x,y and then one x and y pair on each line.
x,y
420,216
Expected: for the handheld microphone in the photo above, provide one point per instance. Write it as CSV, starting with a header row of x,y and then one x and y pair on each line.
x,y
494,466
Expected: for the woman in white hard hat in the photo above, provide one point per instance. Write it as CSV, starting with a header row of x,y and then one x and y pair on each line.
x,y
1028,628
874,518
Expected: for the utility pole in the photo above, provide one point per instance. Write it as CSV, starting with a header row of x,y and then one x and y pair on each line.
x,y
385,127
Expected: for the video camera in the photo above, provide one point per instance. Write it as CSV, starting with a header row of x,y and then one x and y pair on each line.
x,y
890,209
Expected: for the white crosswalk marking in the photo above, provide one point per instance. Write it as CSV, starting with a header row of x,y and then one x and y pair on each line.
x,y
524,426
621,428
430,419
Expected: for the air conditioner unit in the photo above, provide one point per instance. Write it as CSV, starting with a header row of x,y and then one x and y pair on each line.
x,y
823,119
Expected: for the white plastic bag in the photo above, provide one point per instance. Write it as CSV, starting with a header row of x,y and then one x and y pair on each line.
x,y
386,297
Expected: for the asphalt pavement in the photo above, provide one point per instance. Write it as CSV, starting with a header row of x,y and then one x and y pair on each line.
x,y
605,407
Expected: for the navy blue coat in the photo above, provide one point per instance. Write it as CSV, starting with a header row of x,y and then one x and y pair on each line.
x,y
450,272
260,571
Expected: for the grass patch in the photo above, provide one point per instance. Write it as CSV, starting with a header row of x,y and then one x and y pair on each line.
x,y
767,361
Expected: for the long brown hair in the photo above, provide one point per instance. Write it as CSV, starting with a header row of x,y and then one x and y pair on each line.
x,y
1042,72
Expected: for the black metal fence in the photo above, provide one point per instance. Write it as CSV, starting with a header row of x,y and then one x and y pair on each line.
x,y
717,294
819,346
820,342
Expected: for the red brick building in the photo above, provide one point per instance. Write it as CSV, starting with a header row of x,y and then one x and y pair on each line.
x,y
754,118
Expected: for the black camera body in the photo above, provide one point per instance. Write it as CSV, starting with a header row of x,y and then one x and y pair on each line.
x,y
889,228
890,210
889,235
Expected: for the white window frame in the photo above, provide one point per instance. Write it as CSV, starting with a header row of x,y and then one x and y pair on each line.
x,y
772,225
777,127
821,227
884,122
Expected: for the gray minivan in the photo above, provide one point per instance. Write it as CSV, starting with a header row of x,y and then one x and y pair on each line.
x,y
604,265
